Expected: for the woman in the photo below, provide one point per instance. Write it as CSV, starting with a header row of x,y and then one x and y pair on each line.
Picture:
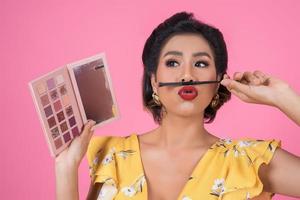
x,y
162,164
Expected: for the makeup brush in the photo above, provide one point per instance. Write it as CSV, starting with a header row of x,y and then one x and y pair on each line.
x,y
191,82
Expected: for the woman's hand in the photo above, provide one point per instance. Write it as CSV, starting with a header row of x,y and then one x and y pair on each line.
x,y
73,154
255,87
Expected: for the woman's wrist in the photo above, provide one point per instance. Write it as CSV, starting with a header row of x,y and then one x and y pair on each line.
x,y
285,97
288,101
62,166
66,182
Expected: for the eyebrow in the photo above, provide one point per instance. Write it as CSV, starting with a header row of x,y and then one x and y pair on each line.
x,y
178,53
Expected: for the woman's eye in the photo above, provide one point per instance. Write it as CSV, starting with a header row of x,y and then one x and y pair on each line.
x,y
171,63
201,64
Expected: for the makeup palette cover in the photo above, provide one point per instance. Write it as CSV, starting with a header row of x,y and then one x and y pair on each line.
x,y
70,95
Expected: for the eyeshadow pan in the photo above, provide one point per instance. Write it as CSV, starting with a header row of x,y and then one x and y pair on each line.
x,y
57,105
55,132
41,88
48,111
72,121
60,116
67,137
54,95
69,111
58,143
63,90
51,122
75,131
50,83
63,127
45,100
59,79
65,100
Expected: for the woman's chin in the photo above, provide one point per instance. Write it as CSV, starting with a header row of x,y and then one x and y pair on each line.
x,y
187,109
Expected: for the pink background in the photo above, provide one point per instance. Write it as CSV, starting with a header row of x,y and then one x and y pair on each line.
x,y
39,36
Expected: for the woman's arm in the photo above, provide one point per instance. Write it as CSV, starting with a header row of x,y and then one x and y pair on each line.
x,y
66,182
67,163
289,103
282,174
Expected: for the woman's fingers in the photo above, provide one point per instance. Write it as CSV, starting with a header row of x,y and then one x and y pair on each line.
x,y
249,78
88,129
261,76
237,86
237,76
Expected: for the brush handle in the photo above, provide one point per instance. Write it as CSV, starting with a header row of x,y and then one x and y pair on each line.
x,y
186,83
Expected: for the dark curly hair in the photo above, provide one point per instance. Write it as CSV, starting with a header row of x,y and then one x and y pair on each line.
x,y
181,23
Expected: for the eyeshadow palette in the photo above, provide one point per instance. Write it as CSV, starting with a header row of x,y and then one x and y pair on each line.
x,y
69,96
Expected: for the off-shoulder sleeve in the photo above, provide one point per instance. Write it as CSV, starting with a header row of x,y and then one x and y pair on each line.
x,y
101,159
245,160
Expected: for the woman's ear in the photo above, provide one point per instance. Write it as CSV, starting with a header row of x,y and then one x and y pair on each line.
x,y
154,83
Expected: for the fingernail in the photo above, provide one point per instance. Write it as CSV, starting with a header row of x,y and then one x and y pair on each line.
x,y
225,82
92,129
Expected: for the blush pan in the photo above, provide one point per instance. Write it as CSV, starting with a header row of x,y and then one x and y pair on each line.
x,y
72,121
63,90
58,143
60,116
57,105
45,100
50,84
48,111
59,79
69,111
67,137
63,127
55,132
54,95
51,122
41,88
65,100
75,131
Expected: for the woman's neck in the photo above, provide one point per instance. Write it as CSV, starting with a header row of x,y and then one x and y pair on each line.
x,y
181,132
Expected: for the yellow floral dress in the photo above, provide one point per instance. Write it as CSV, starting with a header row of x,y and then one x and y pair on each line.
x,y
227,171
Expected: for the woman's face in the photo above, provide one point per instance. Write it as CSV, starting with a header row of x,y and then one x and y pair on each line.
x,y
188,57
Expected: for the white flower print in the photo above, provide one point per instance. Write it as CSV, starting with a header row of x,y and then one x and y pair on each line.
x,y
238,152
129,191
109,157
107,192
219,187
271,148
136,187
245,143
91,171
96,160
227,141
186,198
248,196
125,154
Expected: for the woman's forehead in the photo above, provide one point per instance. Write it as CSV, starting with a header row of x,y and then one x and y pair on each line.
x,y
186,44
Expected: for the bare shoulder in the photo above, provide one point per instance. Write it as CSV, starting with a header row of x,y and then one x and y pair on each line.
x,y
282,174
147,137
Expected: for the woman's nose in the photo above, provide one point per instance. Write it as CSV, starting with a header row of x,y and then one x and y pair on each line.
x,y
187,74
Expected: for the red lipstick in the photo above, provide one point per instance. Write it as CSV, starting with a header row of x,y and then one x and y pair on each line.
x,y
188,93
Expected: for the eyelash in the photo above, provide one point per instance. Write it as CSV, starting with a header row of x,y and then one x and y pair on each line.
x,y
168,62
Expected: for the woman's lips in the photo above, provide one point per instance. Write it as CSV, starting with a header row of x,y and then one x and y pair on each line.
x,y
188,93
